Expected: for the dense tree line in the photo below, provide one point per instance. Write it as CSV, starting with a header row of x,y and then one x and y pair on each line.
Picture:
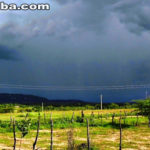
x,y
10,108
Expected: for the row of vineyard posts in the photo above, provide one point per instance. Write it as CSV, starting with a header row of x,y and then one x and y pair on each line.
x,y
88,145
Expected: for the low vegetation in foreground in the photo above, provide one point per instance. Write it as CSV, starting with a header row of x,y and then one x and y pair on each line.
x,y
82,128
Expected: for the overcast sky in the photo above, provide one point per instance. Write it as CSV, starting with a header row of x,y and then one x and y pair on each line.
x,y
76,43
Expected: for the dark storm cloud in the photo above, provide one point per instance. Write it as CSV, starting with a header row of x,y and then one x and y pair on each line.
x,y
76,16
78,43
7,53
89,36
134,14
89,15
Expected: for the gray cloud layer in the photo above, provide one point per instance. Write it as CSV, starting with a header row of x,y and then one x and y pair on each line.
x,y
7,53
135,15
78,15
81,42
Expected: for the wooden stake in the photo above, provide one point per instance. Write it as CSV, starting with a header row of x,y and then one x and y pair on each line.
x,y
14,133
113,117
137,120
37,134
82,116
51,146
120,146
88,135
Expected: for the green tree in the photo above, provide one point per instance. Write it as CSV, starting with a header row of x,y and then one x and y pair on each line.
x,y
113,106
128,105
144,108
24,126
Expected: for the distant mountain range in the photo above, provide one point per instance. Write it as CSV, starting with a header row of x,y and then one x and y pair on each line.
x,y
31,99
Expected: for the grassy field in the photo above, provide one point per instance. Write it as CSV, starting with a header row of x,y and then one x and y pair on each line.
x,y
103,134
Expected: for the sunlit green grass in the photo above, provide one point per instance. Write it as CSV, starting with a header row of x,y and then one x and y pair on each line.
x,y
103,134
